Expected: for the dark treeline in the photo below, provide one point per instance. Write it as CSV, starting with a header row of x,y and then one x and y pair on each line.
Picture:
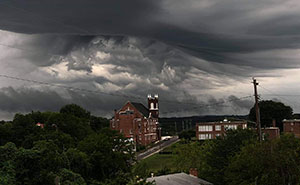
x,y
239,159
71,147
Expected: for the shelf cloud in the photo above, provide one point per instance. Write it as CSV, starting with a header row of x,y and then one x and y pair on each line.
x,y
198,51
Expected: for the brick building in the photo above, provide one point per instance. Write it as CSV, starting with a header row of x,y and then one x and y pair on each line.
x,y
292,126
137,122
210,130
270,132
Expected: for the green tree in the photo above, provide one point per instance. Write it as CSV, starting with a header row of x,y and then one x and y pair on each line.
x,y
67,177
78,162
22,126
270,110
5,133
75,110
110,154
274,162
188,155
98,123
7,173
212,156
187,134
76,127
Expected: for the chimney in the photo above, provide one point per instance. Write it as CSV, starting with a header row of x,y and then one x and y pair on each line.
x,y
194,172
274,123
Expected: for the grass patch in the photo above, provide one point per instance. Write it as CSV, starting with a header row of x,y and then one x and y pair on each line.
x,y
160,163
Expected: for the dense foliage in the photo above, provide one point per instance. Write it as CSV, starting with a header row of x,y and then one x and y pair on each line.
x,y
70,147
239,159
270,110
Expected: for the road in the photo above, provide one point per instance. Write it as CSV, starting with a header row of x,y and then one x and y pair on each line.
x,y
157,148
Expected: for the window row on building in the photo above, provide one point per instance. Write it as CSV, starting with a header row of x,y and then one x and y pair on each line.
x,y
211,130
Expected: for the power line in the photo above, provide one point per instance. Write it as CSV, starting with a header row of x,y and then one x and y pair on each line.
x,y
119,95
279,96
209,105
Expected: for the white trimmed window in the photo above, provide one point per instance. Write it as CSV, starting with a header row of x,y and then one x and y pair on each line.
x,y
204,136
205,128
233,127
218,127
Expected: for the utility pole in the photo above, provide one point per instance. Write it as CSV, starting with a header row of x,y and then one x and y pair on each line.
x,y
258,125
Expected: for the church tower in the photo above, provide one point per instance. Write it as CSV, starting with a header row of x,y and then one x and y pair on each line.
x,y
153,105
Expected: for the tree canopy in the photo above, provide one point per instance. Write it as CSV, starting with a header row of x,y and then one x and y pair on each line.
x,y
71,147
270,110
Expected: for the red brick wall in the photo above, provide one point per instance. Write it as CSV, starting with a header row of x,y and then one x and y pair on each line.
x,y
271,133
292,126
142,130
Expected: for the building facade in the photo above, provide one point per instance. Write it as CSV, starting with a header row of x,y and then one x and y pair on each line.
x,y
211,130
292,126
138,123
270,132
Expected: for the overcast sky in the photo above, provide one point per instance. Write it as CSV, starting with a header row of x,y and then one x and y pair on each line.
x,y
202,53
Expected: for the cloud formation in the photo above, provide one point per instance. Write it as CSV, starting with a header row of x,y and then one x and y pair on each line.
x,y
198,51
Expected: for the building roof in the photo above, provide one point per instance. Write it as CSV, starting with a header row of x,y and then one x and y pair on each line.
x,y
222,122
178,179
141,108
291,120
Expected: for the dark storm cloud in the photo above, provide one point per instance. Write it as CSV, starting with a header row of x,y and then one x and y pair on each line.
x,y
24,100
27,99
77,17
240,103
178,50
210,30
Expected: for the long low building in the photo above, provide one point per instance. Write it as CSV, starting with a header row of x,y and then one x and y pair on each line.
x,y
211,130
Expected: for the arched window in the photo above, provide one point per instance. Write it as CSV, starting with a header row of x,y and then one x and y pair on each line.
x,y
152,105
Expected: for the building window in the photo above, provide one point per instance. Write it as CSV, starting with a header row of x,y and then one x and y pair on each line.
x,y
218,127
218,135
244,126
205,128
292,124
152,106
204,136
130,131
233,127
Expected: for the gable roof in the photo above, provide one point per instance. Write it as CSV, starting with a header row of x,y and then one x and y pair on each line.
x,y
178,179
141,108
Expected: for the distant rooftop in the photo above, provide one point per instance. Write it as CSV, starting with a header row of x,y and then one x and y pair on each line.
x,y
291,120
224,121
178,179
